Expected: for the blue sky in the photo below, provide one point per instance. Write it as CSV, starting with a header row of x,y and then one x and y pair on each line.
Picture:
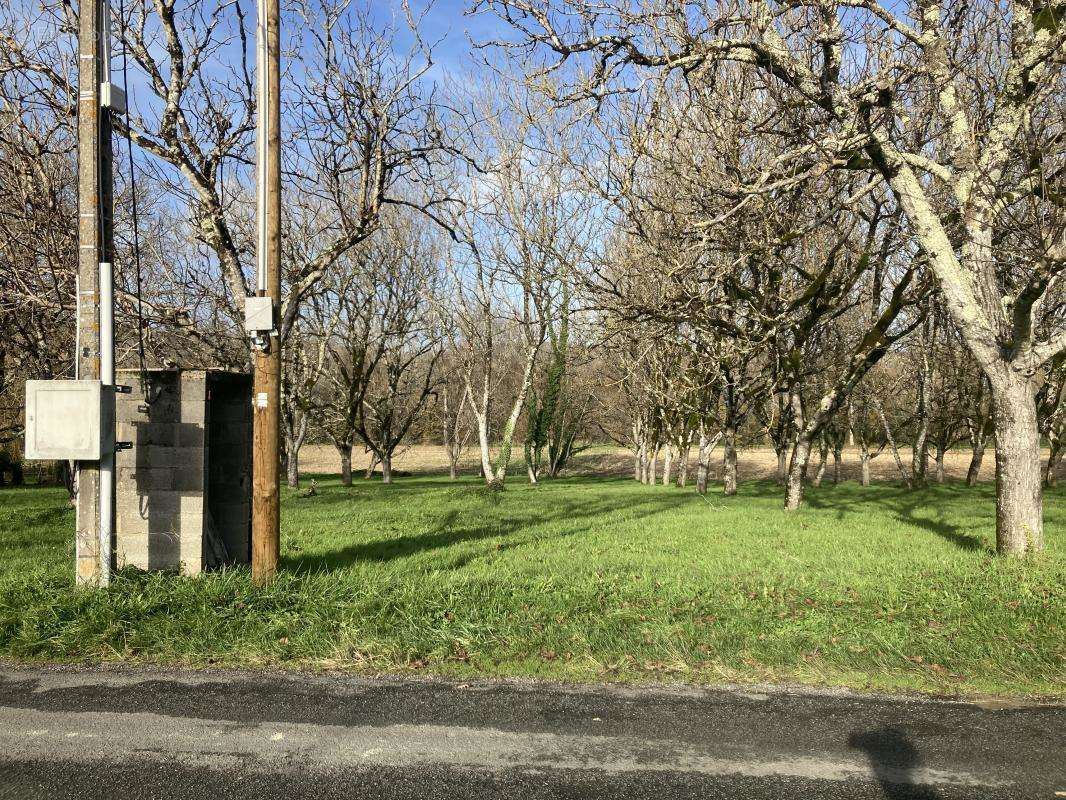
x,y
447,21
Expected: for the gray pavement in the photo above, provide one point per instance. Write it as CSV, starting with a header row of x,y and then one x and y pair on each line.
x,y
120,734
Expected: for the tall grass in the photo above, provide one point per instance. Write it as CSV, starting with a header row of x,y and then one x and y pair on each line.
x,y
579,579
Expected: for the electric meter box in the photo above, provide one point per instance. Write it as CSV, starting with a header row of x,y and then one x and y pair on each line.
x,y
69,420
258,314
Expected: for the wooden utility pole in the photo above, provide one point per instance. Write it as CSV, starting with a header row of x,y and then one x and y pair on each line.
x,y
95,247
266,510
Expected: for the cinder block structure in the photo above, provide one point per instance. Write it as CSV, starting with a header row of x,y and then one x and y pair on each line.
x,y
184,490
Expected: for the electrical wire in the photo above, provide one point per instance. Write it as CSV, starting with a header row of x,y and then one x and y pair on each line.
x,y
141,325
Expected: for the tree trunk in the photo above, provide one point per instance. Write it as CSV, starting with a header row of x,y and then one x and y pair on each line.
x,y
668,464
481,416
292,467
682,464
919,461
920,452
503,458
638,451
836,464
653,463
1019,482
978,457
1053,463
797,473
483,446
702,459
386,468
371,466
904,475
940,452
782,464
823,462
864,465
729,462
295,432
345,452
453,470
1019,512
780,433
68,477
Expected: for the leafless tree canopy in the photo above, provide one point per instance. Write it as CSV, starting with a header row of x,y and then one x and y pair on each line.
x,y
815,226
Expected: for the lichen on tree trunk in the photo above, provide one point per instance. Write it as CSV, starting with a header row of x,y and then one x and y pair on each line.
x,y
729,462
1019,482
797,473
974,470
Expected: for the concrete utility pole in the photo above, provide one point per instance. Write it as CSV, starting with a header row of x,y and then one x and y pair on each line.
x,y
95,358
266,510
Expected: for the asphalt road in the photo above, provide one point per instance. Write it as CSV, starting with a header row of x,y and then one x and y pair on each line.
x,y
166,734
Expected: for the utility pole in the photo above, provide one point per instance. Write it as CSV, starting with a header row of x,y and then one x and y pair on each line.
x,y
266,508
95,357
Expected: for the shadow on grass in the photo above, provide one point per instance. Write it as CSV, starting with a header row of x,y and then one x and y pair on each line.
x,y
576,516
894,759
46,516
581,514
910,507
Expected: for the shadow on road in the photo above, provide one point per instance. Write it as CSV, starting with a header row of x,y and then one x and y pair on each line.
x,y
894,758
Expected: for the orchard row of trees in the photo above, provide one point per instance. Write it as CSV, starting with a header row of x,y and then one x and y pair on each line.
x,y
679,228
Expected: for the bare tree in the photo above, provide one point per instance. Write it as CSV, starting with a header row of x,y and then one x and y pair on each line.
x,y
524,232
959,112
453,418
412,340
386,347
302,368
771,270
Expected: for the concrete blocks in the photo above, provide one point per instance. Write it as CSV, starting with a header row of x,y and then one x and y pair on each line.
x,y
188,476
155,551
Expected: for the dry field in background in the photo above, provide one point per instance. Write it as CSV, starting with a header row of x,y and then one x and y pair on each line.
x,y
754,462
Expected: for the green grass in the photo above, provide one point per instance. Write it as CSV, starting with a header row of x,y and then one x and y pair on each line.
x,y
580,579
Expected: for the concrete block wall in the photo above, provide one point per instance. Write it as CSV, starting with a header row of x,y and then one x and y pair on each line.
x,y
163,488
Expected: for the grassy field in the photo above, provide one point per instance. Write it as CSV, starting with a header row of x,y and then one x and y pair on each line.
x,y
580,579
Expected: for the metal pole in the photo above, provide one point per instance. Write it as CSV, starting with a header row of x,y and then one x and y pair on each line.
x,y
95,244
262,105
266,509
107,458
